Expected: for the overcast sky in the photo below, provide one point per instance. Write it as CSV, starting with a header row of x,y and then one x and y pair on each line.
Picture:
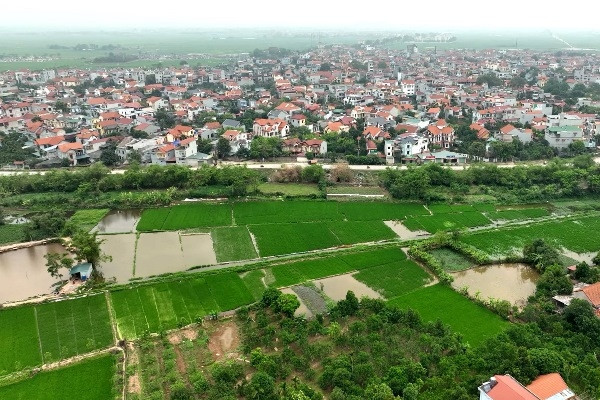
x,y
429,15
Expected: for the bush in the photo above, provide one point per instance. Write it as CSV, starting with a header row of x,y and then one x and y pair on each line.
x,y
341,173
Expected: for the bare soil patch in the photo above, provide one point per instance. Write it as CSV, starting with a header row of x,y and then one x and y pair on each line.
x,y
133,384
403,232
224,341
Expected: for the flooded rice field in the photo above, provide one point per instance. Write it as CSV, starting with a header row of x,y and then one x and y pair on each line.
x,y
336,287
122,250
511,282
23,272
119,221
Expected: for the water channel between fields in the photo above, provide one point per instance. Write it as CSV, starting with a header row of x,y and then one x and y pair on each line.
x,y
511,282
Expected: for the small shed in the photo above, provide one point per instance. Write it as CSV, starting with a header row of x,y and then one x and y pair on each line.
x,y
81,271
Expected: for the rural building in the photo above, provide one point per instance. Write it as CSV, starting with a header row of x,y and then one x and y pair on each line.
x,y
544,387
81,271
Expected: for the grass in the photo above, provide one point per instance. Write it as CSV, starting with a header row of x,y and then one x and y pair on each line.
x,y
379,211
340,189
451,260
69,328
233,243
394,279
166,305
10,233
475,323
185,216
527,213
576,234
87,380
351,232
87,219
289,189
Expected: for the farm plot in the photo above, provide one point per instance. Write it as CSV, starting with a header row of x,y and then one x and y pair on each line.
x,y
87,219
527,213
260,212
59,383
165,305
233,243
292,238
302,271
185,216
474,322
254,281
18,340
394,279
444,221
577,235
72,327
379,211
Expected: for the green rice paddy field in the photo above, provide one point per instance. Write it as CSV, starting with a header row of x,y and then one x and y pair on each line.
x,y
87,380
165,305
578,234
32,335
233,243
475,323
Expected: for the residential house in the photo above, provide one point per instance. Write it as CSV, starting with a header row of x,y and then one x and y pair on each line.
x,y
237,140
375,133
179,132
544,387
560,137
270,128
74,152
298,120
508,133
405,147
296,146
441,134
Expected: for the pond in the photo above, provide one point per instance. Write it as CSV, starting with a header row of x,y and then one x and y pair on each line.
x,y
511,282
119,221
336,287
23,272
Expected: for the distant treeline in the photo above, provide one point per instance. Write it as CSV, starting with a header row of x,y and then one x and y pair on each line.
x,y
81,47
115,58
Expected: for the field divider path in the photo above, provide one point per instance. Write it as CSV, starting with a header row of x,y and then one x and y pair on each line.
x,y
111,316
37,328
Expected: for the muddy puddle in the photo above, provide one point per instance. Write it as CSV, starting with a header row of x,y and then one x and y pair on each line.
x,y
119,221
336,287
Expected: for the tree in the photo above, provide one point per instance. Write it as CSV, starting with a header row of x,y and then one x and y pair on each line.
x,y
577,148
491,79
540,254
223,147
86,247
262,147
2,216
587,274
134,157
341,173
56,262
109,156
518,82
261,387
287,304
554,281
313,174
204,146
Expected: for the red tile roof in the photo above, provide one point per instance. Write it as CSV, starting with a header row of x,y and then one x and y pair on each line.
x,y
508,388
593,293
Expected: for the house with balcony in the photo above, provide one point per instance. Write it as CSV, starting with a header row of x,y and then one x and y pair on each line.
x,y
270,128
74,152
560,137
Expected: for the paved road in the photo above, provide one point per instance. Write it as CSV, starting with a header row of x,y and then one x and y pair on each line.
x,y
259,165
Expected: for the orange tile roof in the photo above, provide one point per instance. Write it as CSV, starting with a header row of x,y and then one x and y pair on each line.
x,y
593,293
545,386
63,148
508,388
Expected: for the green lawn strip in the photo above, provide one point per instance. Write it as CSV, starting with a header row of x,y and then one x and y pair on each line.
x,y
451,260
10,233
19,340
87,219
484,207
98,374
440,208
261,212
458,208
379,211
292,238
289,189
474,322
394,279
254,282
233,243
340,189
575,234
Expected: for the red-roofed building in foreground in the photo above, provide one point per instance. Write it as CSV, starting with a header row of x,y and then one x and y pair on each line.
x,y
544,387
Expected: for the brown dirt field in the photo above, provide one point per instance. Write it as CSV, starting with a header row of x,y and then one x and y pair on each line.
x,y
224,341
181,367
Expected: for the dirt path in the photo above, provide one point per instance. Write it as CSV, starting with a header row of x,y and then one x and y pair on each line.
x,y
133,381
24,245
404,233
